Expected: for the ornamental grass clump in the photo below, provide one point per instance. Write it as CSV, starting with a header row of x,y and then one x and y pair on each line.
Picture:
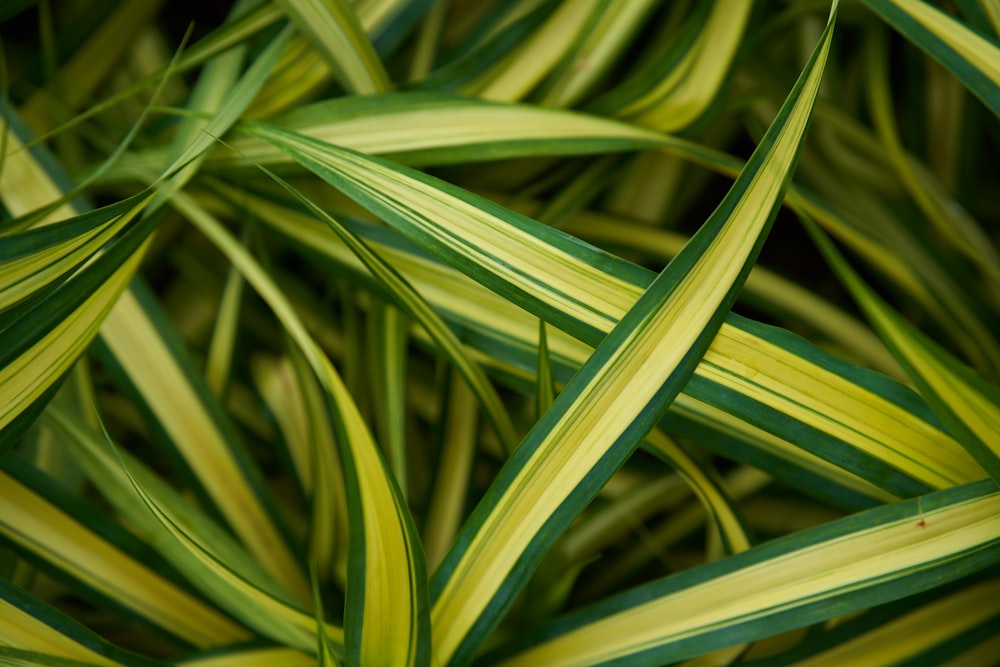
x,y
529,332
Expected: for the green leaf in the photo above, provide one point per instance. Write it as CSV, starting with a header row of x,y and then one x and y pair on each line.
x,y
386,619
972,58
324,647
104,470
592,427
965,403
268,615
33,633
441,129
417,308
38,350
854,563
675,99
334,29
945,627
34,523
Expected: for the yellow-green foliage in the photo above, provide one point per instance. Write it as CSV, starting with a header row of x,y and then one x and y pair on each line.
x,y
499,332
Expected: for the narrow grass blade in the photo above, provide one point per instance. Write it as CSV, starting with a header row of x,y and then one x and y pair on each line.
x,y
943,213
225,102
324,647
972,58
38,350
388,357
222,349
104,470
386,620
34,523
674,99
417,308
916,632
854,563
334,29
709,489
590,430
29,626
328,544
442,129
167,382
838,421
450,490
516,75
965,403
267,615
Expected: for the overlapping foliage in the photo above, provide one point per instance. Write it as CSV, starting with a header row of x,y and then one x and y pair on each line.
x,y
529,332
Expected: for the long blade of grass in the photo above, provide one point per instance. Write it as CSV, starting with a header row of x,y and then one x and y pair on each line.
x,y
104,470
29,625
971,57
965,403
431,128
386,620
678,98
38,350
705,483
418,309
334,29
269,616
35,523
942,212
589,431
450,491
388,359
325,650
872,557
915,633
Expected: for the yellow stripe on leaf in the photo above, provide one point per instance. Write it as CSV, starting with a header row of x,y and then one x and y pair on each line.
x,y
686,91
972,58
335,31
785,590
386,619
616,397
967,405
34,524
